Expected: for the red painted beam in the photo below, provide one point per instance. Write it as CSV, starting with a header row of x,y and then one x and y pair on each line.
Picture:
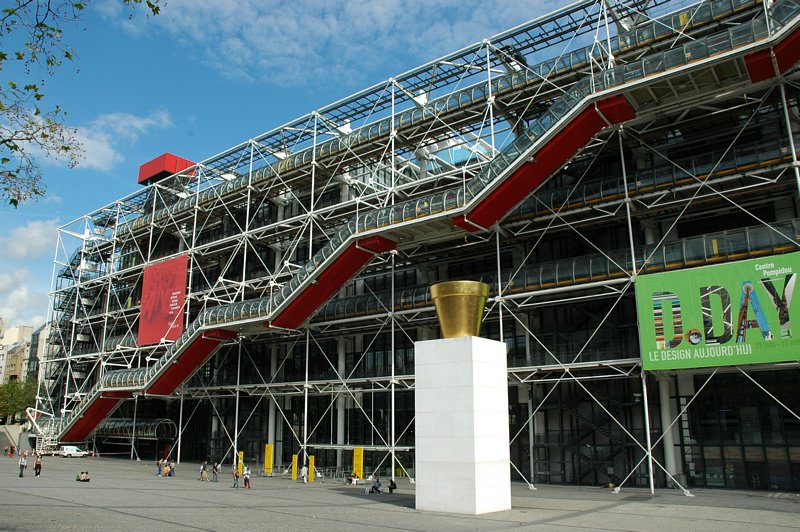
x,y
95,413
377,244
189,360
347,264
616,109
759,65
549,158
787,52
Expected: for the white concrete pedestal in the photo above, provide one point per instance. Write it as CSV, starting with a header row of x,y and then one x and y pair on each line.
x,y
461,397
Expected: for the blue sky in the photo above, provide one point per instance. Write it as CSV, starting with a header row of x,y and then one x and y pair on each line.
x,y
206,75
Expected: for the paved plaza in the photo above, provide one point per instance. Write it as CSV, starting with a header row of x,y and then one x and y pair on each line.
x,y
124,495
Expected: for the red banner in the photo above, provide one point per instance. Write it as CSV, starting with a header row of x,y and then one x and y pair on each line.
x,y
163,295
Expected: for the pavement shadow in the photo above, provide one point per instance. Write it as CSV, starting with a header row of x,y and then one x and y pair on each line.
x,y
403,500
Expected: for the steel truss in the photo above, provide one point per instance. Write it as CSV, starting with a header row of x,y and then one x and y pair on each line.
x,y
250,217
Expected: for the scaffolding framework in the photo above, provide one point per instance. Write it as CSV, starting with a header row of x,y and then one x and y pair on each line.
x,y
557,161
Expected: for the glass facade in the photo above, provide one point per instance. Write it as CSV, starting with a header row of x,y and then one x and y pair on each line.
x,y
740,437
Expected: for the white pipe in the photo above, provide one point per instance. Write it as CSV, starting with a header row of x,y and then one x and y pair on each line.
x,y
649,449
666,421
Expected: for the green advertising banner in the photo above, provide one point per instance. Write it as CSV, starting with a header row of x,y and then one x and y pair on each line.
x,y
728,314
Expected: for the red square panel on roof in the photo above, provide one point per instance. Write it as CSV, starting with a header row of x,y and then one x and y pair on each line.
x,y
161,167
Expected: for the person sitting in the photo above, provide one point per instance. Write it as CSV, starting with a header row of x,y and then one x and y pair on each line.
x,y
355,479
83,477
392,486
376,486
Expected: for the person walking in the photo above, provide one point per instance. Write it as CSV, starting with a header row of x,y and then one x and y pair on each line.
x,y
203,472
247,477
23,465
37,466
304,473
235,476
215,472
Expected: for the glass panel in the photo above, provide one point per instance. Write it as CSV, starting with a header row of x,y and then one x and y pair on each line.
x,y
579,58
653,64
674,58
633,71
437,203
719,43
409,211
383,217
546,121
626,40
694,249
779,476
713,461
673,254
736,242
645,34
760,238
696,50
702,14
750,426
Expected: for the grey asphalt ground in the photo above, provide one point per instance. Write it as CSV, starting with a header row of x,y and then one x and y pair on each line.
x,y
126,495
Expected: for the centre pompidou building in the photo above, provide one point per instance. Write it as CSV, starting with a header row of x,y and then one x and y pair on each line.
x,y
625,177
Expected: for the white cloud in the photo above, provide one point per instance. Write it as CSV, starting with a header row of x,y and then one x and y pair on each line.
x,y
20,303
290,42
25,252
29,241
10,279
53,198
103,137
98,150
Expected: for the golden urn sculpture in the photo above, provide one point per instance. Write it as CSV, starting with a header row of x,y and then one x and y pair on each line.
x,y
459,306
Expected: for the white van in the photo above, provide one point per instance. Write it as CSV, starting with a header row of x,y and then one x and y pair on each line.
x,y
68,451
